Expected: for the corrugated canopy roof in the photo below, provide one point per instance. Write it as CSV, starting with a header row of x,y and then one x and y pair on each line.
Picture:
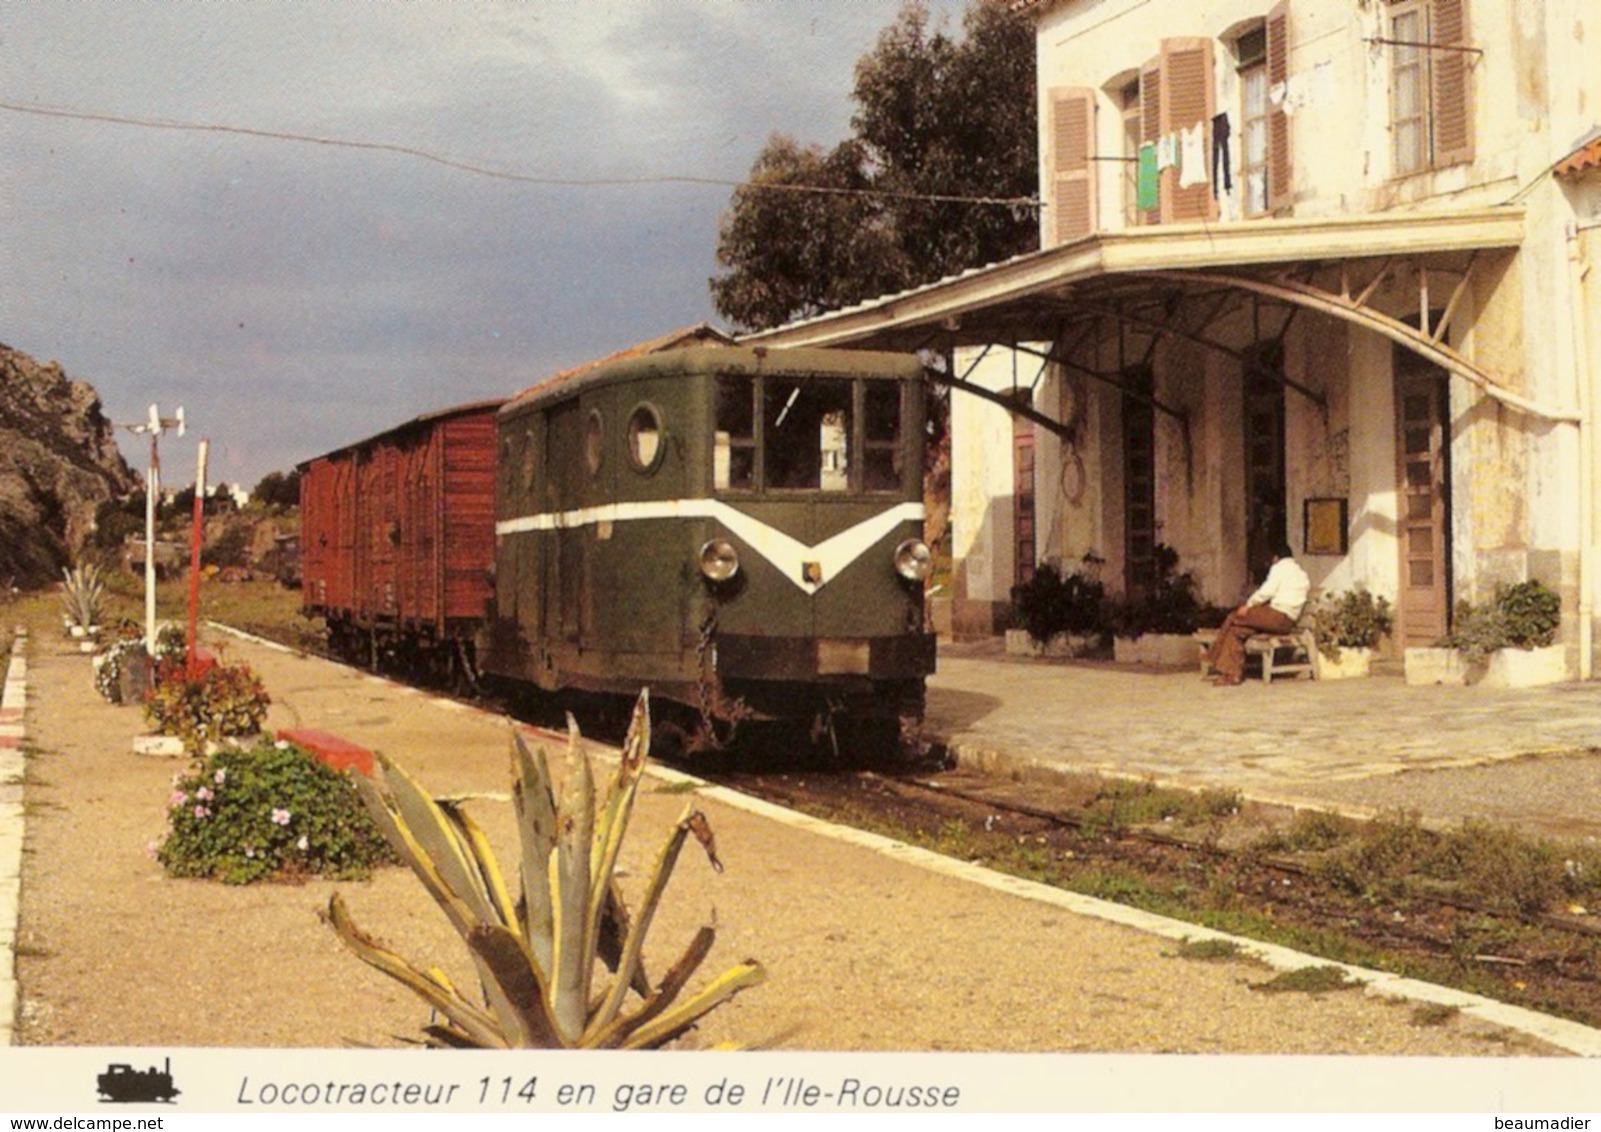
x,y
1586,157
1023,299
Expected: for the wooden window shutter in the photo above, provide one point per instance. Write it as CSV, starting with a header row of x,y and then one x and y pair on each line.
x,y
1151,121
1450,75
1280,181
1072,171
1187,101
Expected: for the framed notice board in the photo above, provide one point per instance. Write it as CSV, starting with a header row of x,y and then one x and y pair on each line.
x,y
1324,524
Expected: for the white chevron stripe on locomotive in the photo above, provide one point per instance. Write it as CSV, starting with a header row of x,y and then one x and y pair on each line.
x,y
786,553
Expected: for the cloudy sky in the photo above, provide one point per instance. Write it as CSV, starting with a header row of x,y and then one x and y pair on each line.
x,y
296,296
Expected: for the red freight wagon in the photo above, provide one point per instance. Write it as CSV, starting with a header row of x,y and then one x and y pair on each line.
x,y
398,541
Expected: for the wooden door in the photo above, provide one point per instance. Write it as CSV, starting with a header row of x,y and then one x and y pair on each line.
x,y
1423,481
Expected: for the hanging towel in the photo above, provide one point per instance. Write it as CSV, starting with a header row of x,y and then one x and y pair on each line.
x,y
1192,163
1145,188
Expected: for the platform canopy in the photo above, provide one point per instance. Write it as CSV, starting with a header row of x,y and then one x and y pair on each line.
x,y
1177,280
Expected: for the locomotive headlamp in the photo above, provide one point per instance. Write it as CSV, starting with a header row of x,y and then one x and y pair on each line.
x,y
719,561
913,560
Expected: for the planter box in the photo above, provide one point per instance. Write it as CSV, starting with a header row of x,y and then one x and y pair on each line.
x,y
1353,663
1506,668
1439,666
1173,650
1526,668
1062,645
330,749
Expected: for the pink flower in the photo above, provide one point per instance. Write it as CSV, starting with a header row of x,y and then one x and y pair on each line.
x,y
204,794
178,798
202,812
220,777
280,817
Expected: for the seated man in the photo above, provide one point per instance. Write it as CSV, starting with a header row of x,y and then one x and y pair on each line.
x,y
1272,609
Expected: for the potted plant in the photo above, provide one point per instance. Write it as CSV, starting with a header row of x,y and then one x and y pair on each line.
x,y
82,596
1156,626
1348,627
1057,614
1508,642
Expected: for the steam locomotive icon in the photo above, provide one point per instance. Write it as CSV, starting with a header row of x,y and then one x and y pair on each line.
x,y
121,1083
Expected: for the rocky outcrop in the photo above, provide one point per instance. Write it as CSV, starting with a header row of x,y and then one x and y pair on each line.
x,y
58,462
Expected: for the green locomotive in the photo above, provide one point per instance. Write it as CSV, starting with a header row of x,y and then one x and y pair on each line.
x,y
740,529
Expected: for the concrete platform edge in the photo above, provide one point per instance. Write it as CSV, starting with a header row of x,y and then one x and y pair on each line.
x,y
14,704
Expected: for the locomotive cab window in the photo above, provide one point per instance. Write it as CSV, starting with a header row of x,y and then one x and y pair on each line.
x,y
881,435
734,435
645,438
594,436
807,428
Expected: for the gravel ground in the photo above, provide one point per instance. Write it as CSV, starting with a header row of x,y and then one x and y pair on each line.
x,y
865,952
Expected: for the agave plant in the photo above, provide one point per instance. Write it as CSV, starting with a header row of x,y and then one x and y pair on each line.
x,y
82,594
536,948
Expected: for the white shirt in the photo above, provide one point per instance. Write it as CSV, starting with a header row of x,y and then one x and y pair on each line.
x,y
1285,589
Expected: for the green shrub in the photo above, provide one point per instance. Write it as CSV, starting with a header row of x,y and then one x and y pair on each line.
x,y
1354,619
1050,602
271,811
1170,604
1522,616
223,701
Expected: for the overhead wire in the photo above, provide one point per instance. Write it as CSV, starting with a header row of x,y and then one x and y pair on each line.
x,y
482,170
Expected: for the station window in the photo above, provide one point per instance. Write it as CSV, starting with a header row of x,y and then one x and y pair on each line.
x,y
807,427
734,449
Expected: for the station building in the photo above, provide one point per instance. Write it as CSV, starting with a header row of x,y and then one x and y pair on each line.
x,y
1309,271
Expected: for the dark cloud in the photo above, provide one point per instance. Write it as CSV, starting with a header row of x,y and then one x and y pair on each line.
x,y
296,297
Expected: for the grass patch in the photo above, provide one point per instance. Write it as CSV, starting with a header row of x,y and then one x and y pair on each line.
x,y
1494,866
1121,804
1308,980
675,788
1434,1014
1210,950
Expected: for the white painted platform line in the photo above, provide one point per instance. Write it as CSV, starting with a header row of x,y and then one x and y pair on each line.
x,y
14,702
251,637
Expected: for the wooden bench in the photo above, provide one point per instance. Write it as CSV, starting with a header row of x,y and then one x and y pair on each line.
x,y
1297,646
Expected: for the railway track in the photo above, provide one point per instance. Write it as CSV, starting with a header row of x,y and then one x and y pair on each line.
x,y
1215,873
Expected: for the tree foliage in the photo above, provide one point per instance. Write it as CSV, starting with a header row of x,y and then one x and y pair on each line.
x,y
936,116
276,489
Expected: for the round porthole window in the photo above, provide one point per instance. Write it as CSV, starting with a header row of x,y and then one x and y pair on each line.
x,y
594,427
645,447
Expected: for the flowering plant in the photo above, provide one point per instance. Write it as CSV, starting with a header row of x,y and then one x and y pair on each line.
x,y
222,701
273,811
